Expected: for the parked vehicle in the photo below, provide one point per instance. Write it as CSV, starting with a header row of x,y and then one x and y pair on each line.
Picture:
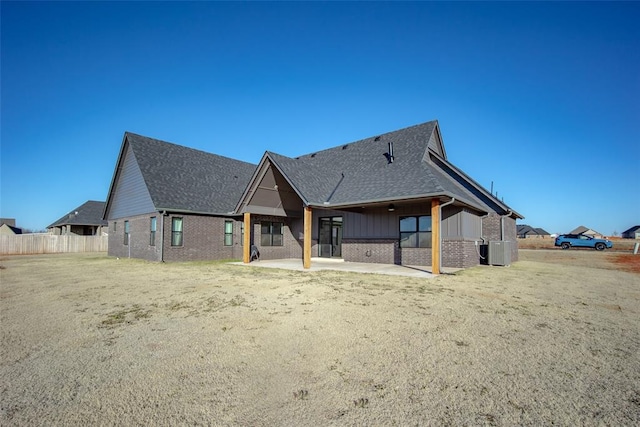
x,y
566,241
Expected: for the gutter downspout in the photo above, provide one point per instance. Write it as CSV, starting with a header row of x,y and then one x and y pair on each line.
x,y
453,199
162,214
481,237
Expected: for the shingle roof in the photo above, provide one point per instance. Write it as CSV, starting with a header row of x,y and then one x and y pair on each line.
x,y
579,230
523,229
89,213
184,179
542,231
360,172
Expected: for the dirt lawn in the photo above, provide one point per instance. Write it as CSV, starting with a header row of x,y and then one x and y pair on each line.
x,y
92,340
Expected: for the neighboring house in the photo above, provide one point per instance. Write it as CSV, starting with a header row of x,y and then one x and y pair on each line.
x,y
392,198
587,232
85,220
527,232
632,233
167,202
8,227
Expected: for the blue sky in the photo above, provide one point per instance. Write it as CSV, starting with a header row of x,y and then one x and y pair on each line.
x,y
542,99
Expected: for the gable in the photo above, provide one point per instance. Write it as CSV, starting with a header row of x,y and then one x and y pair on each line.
x,y
435,142
153,175
182,179
129,195
271,194
7,229
364,173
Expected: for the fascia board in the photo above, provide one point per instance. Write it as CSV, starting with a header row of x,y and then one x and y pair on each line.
x,y
257,175
477,186
295,188
396,200
189,212
437,130
116,174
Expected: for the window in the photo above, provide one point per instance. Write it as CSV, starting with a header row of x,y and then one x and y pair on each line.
x,y
176,231
152,231
271,233
228,233
114,226
415,231
242,233
126,232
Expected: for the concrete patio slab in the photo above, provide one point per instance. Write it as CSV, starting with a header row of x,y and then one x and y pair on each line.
x,y
319,264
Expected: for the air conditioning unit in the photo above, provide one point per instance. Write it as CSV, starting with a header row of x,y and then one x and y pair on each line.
x,y
499,253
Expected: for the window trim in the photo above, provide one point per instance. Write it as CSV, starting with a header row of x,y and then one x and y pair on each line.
x,y
417,232
153,227
228,235
175,241
271,233
127,231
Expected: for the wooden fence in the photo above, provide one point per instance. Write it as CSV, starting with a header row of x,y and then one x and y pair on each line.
x,y
28,244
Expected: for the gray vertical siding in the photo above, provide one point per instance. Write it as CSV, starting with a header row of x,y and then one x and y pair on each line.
x,y
130,195
460,223
434,145
379,223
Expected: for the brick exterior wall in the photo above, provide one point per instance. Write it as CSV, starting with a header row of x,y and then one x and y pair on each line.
x,y
203,239
491,227
384,251
491,230
292,239
415,256
511,232
379,251
138,246
460,253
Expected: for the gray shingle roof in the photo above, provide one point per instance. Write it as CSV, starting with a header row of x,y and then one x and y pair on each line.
x,y
523,230
360,172
89,213
184,179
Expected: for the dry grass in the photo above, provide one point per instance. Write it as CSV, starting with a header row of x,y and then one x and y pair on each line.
x,y
86,339
619,244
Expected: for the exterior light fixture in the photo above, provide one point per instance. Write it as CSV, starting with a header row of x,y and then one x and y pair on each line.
x,y
391,207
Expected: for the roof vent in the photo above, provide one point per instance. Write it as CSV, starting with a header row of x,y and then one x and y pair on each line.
x,y
377,138
390,153
313,155
344,147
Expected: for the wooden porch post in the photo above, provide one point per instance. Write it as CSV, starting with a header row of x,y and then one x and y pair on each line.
x,y
246,248
306,263
435,236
